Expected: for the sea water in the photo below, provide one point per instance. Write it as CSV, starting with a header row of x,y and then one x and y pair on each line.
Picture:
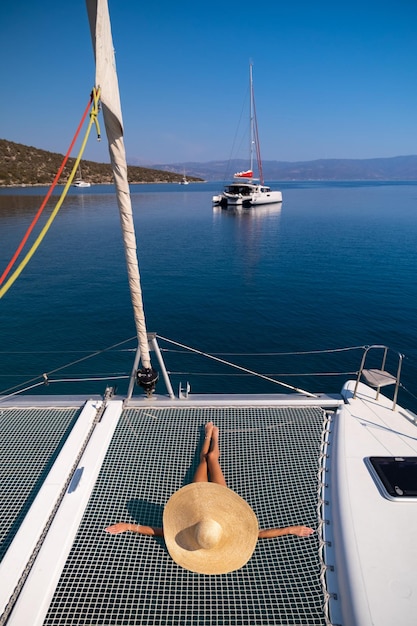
x,y
333,267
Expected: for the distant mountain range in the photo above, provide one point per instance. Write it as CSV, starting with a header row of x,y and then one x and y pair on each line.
x,y
392,168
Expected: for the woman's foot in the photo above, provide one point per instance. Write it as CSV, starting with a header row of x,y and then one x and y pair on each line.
x,y
214,451
208,430
213,455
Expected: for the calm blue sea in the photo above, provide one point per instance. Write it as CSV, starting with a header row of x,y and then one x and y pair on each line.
x,y
334,267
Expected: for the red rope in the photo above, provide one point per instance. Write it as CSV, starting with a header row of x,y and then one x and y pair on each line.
x,y
51,188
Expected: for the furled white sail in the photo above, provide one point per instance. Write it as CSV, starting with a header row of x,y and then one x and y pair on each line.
x,y
106,79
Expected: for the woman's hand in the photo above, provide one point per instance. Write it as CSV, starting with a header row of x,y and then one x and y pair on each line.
x,y
300,531
115,529
123,527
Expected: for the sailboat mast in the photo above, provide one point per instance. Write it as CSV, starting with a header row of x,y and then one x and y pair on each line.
x,y
252,119
254,135
106,79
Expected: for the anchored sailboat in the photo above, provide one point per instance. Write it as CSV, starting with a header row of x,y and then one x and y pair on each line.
x,y
184,180
79,181
247,190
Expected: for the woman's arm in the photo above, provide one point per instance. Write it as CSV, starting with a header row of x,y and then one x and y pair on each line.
x,y
300,531
123,527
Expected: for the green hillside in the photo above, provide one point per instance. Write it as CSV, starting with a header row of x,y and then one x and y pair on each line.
x,y
25,165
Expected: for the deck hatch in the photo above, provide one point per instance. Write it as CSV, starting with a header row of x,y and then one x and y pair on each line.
x,y
397,475
269,457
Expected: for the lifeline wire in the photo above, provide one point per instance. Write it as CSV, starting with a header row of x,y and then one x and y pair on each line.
x,y
243,369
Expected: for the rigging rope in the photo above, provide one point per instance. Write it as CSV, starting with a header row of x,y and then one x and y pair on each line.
x,y
45,376
243,369
94,103
51,188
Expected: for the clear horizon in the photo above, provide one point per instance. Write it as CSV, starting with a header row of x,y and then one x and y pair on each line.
x,y
331,81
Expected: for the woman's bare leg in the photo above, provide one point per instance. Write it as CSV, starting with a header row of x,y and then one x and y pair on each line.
x,y
213,455
201,473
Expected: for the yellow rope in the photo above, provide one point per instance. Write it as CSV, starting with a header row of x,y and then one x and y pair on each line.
x,y
93,120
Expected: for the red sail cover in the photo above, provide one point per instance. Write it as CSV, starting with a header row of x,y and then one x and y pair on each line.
x,y
247,174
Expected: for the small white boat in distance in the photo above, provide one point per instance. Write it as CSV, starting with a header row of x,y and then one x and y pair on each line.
x,y
79,182
246,190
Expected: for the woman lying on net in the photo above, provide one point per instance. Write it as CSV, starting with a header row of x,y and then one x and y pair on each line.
x,y
207,527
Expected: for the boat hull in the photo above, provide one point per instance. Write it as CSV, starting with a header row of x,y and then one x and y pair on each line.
x,y
248,198
267,198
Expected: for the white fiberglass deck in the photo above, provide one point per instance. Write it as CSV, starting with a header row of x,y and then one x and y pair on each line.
x,y
373,546
269,456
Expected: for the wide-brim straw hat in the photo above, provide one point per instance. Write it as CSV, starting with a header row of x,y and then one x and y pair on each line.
x,y
209,529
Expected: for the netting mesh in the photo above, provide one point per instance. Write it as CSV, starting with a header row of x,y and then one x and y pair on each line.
x,y
30,440
269,456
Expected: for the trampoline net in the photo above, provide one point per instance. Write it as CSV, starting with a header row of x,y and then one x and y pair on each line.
x,y
30,440
269,456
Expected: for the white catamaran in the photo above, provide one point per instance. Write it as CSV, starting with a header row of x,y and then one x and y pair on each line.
x,y
72,465
246,190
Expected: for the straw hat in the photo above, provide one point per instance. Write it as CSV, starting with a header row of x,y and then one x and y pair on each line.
x,y
209,529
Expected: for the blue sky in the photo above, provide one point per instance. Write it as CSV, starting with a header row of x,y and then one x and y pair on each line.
x,y
332,79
